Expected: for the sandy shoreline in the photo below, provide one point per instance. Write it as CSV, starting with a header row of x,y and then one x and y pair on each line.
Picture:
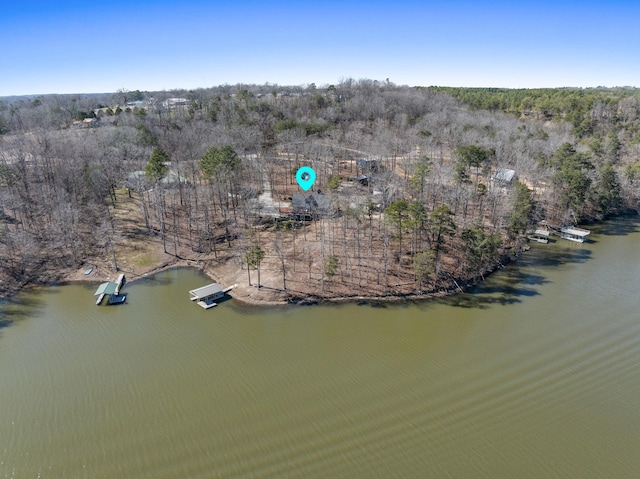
x,y
241,293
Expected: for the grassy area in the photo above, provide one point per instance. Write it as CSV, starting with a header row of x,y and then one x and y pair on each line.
x,y
147,260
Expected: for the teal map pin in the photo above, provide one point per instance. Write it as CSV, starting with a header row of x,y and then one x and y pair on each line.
x,y
306,177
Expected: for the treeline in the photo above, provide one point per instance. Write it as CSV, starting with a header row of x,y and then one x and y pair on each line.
x,y
415,178
584,108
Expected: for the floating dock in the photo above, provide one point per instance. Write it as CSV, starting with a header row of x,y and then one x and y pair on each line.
x,y
206,296
117,299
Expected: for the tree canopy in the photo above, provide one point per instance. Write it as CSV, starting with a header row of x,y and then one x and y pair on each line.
x,y
219,161
433,153
157,168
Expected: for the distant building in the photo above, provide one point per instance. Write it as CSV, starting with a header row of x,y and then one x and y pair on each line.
x,y
176,102
137,179
86,123
368,164
504,175
364,180
311,206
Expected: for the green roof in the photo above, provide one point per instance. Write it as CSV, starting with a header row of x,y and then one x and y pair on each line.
x,y
106,288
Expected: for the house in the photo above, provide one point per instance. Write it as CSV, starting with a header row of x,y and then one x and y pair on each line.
x,y
364,180
135,179
311,206
368,164
504,176
175,102
85,123
172,177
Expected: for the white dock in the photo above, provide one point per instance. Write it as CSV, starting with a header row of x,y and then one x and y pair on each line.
x,y
539,235
226,290
577,235
206,304
120,283
207,295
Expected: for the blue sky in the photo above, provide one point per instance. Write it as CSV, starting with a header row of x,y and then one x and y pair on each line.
x,y
102,46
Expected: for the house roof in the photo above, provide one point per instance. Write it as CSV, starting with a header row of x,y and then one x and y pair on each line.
x,y
314,202
170,178
173,177
504,174
368,163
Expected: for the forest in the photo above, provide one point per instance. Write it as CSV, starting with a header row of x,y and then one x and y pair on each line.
x,y
419,190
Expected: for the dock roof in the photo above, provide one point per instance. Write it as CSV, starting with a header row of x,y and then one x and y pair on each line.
x,y
204,291
575,231
106,288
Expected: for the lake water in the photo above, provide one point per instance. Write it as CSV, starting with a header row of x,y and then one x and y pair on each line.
x,y
534,374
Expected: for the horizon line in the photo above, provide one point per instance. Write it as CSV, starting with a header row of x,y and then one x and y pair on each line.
x,y
325,86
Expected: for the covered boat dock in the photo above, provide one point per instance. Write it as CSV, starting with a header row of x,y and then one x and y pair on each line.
x,y
539,235
206,296
578,235
112,290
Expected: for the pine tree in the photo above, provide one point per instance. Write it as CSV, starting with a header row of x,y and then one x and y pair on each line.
x,y
156,168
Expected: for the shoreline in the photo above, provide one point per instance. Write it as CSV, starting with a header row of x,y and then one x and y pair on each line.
x,y
267,296
226,273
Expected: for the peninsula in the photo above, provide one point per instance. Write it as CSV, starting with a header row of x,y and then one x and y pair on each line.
x,y
419,191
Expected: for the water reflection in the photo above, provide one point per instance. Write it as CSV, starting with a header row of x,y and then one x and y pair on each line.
x,y
23,306
621,226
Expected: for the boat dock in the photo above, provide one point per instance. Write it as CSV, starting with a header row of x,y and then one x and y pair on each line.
x,y
206,296
112,290
571,233
539,235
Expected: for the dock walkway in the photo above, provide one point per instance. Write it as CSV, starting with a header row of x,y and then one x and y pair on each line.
x,y
120,282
